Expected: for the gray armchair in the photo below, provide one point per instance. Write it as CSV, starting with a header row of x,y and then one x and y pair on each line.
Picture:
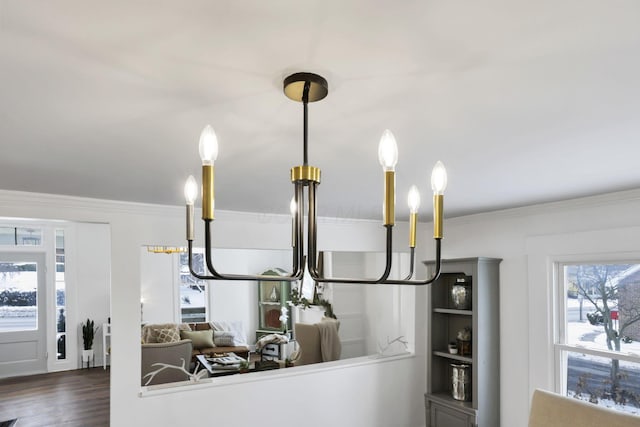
x,y
170,353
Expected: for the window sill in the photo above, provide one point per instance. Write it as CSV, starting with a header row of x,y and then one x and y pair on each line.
x,y
179,387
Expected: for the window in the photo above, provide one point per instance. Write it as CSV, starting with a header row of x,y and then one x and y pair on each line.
x,y
598,336
20,236
61,321
18,296
193,291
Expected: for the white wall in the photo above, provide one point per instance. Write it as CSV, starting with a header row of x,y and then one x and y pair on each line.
x,y
370,316
527,240
230,301
157,286
92,266
383,394
238,301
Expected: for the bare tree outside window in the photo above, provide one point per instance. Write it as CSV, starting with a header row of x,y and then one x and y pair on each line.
x,y
610,296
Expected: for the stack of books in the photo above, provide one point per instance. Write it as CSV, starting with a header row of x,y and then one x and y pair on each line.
x,y
229,362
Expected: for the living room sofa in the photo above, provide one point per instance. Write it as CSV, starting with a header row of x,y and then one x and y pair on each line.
x,y
205,338
223,341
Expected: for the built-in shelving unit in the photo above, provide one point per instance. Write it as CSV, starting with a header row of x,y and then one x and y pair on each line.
x,y
480,276
272,302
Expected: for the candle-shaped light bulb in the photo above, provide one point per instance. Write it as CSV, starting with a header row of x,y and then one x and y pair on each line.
x,y
190,190
439,178
388,151
414,199
208,145
388,157
293,206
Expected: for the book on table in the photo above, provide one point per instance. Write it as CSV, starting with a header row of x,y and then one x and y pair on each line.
x,y
230,359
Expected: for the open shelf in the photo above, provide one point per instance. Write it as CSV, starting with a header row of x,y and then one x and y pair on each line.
x,y
453,311
450,356
448,317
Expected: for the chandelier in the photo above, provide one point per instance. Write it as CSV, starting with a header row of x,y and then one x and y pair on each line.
x,y
305,88
166,249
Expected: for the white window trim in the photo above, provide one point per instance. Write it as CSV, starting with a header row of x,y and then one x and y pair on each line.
x,y
177,283
543,254
561,348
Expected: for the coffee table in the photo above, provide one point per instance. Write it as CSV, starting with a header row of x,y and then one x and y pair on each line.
x,y
216,370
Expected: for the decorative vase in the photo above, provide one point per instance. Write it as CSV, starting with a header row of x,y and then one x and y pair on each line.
x,y
461,382
274,294
461,295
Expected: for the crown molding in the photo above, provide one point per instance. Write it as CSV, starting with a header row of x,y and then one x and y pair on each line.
x,y
43,201
619,197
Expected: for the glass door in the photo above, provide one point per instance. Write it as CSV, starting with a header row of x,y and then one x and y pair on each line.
x,y
22,314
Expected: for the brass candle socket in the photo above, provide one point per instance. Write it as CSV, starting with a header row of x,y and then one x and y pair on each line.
x,y
207,192
438,202
389,214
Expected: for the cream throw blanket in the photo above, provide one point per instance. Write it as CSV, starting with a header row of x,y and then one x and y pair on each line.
x,y
330,345
271,339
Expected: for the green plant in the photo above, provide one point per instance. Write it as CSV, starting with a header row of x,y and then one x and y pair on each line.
x,y
88,334
304,303
297,300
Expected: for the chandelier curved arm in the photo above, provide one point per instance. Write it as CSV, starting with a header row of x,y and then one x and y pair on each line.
x,y
389,281
428,281
412,257
295,275
191,270
312,247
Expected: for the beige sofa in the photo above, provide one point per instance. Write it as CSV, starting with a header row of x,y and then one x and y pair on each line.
x,y
242,351
202,336
554,410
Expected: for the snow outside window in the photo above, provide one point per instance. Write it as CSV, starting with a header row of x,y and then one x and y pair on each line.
x,y
193,291
597,341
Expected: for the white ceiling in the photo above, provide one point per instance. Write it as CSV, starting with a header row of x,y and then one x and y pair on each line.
x,y
524,102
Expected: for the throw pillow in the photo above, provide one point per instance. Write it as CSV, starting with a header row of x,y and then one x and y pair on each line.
x,y
168,335
199,339
150,332
234,326
224,338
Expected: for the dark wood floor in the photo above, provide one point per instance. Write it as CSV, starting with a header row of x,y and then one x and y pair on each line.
x,y
70,398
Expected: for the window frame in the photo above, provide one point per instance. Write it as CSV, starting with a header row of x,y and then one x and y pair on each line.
x,y
207,303
561,348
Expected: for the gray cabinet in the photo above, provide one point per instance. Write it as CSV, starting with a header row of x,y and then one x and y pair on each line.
x,y
470,371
